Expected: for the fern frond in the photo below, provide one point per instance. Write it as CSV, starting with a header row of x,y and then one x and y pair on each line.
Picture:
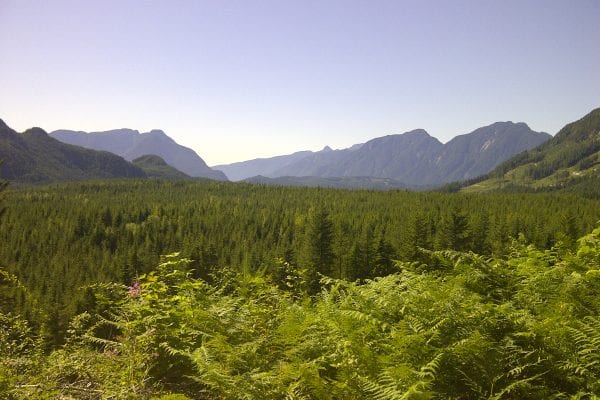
x,y
429,370
521,384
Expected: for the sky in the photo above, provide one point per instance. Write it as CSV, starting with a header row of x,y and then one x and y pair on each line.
x,y
237,80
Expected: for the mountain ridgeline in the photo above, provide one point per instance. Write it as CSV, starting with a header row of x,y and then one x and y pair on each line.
x,y
260,166
131,144
414,158
500,156
35,157
570,160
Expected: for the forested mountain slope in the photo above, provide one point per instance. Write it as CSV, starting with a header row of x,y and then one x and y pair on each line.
x,y
131,144
35,157
569,160
156,167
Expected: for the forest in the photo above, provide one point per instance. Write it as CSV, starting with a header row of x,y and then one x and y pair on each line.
x,y
216,290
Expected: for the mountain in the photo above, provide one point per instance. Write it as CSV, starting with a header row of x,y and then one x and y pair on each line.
x,y
156,167
400,157
414,158
353,182
259,166
35,157
131,144
316,164
571,158
476,153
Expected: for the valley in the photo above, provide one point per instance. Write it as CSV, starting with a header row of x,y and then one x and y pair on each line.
x,y
143,281
299,200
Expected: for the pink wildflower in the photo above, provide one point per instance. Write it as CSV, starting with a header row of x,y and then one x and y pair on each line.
x,y
134,290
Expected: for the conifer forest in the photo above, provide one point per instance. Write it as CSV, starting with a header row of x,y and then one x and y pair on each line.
x,y
155,289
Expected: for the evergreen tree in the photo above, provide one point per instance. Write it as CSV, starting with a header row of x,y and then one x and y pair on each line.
x,y
454,232
343,241
385,254
570,230
418,237
3,185
319,256
363,258
355,267
480,238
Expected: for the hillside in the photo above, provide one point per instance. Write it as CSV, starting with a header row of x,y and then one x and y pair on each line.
x,y
156,167
569,159
414,158
131,144
35,157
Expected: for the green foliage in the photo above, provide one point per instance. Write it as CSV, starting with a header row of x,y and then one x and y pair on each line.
x,y
273,297
59,239
463,326
319,256
3,185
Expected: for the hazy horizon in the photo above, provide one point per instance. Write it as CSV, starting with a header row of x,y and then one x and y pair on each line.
x,y
242,80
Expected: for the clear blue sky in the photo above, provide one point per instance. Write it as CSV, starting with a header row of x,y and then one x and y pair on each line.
x,y
236,80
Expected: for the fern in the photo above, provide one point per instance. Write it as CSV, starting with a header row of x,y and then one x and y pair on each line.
x,y
586,360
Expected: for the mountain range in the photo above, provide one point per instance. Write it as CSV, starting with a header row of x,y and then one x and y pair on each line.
x,y
414,158
500,156
131,144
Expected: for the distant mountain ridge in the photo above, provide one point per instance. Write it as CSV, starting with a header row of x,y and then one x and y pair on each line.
x,y
35,157
259,166
131,144
414,158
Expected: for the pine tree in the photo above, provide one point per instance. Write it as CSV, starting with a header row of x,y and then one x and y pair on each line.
x,y
354,269
3,185
418,237
480,238
454,232
319,256
363,258
385,254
